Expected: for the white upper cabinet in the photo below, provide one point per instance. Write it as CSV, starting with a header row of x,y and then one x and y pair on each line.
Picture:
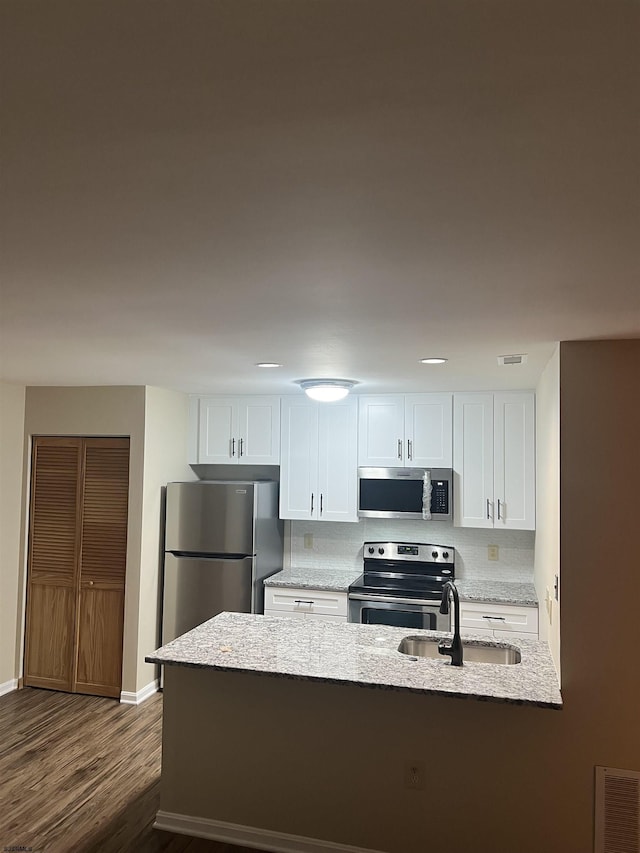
x,y
238,430
494,460
428,430
514,467
318,460
397,431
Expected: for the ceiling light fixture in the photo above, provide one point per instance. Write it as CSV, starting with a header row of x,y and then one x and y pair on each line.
x,y
433,360
268,364
326,390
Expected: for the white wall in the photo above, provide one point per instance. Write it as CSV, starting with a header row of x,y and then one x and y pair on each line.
x,y
165,459
547,557
12,401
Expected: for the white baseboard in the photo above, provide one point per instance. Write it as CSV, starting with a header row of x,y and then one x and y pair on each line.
x,y
127,698
8,686
249,836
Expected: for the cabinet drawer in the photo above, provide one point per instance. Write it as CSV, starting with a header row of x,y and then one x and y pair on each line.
x,y
502,617
306,601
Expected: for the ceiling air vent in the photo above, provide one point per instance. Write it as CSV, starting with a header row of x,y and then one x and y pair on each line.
x,y
512,359
617,819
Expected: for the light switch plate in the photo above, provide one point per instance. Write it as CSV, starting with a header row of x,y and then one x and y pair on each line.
x,y
308,540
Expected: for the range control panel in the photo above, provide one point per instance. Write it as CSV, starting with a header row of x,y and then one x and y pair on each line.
x,y
410,551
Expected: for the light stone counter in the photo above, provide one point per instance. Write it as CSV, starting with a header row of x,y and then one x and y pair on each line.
x,y
498,592
336,580
363,655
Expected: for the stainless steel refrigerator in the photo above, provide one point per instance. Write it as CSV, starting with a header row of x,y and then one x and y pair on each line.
x,y
222,539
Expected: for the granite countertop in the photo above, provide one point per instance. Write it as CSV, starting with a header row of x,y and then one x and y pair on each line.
x,y
363,655
337,580
484,591
498,592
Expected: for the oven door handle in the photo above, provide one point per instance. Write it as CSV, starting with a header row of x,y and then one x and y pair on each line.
x,y
392,599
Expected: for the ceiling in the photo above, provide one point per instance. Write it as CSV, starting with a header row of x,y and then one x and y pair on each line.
x,y
342,186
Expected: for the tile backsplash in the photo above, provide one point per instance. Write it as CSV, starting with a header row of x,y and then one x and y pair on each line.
x,y
336,545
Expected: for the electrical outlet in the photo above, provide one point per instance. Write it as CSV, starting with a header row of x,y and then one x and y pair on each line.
x,y
493,552
308,540
414,775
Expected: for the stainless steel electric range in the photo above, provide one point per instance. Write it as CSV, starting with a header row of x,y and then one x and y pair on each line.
x,y
402,585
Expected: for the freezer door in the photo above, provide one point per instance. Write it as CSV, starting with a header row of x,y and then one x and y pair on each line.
x,y
210,518
198,588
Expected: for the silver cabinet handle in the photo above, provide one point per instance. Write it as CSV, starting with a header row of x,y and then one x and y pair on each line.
x,y
399,448
498,508
499,618
311,503
304,601
409,449
240,446
488,516
321,497
233,447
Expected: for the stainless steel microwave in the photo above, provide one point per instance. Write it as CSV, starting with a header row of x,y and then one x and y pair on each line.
x,y
399,493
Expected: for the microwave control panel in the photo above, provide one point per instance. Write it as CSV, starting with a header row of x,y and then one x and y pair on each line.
x,y
439,496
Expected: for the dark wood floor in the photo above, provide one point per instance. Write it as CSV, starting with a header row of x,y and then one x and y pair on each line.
x,y
81,773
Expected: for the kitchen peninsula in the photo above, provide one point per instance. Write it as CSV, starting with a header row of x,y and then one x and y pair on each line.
x,y
362,655
251,701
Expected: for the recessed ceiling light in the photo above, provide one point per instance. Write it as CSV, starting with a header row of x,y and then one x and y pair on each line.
x,y
433,360
268,364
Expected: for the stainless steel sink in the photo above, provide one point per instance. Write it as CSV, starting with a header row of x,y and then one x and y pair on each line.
x,y
425,647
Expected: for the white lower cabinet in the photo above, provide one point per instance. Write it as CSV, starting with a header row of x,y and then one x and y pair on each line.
x,y
498,620
306,603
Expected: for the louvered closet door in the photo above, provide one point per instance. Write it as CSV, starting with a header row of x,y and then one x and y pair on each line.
x,y
103,557
52,563
76,564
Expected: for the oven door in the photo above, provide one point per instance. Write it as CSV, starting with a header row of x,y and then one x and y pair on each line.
x,y
403,613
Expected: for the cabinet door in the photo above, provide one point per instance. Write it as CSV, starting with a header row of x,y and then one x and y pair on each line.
x,y
54,546
217,440
258,431
381,431
428,430
299,497
514,461
103,561
473,460
337,460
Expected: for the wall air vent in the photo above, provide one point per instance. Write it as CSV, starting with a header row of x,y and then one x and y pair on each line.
x,y
617,818
521,358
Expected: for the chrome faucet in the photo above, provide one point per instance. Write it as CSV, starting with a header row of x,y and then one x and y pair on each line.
x,y
453,649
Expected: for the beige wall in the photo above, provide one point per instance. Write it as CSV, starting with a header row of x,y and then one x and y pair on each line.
x,y
155,419
547,551
165,459
328,761
101,411
12,399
